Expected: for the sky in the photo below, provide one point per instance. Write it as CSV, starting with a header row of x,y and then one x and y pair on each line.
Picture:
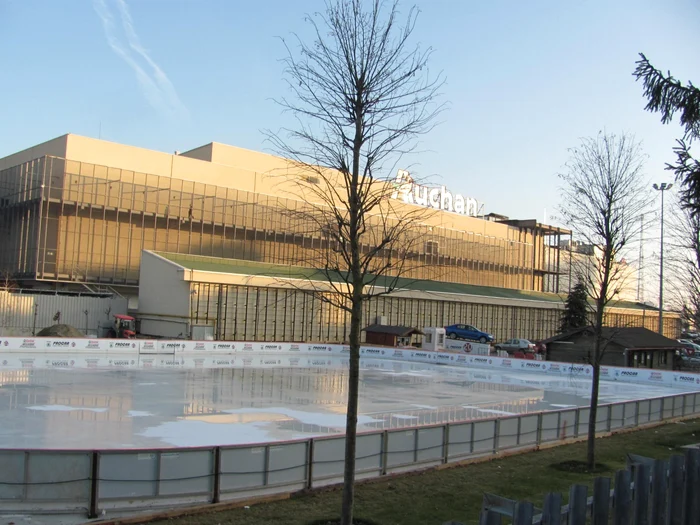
x,y
525,81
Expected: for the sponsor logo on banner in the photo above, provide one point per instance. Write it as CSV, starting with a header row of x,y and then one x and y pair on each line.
x,y
531,365
93,344
92,363
577,369
199,345
345,350
629,373
481,360
372,351
480,376
59,344
173,345
685,379
318,362
270,362
5,343
656,376
27,363
220,362
507,363
442,357
271,347
420,354
604,371
28,343
295,348
247,361
225,346
147,363
293,361
555,367
148,345
397,353
248,347
319,348
121,344
461,358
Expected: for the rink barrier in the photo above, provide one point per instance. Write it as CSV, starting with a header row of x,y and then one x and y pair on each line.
x,y
91,482
159,348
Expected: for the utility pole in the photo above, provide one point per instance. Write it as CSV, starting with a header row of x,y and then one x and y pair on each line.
x,y
662,188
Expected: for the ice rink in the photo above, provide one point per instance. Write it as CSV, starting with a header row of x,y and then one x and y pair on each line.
x,y
132,401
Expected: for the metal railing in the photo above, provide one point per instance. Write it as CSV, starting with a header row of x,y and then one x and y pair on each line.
x,y
92,481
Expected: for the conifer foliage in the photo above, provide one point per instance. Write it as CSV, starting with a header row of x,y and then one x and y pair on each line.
x,y
576,310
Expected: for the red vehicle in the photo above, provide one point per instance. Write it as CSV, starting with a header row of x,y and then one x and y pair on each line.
x,y
124,327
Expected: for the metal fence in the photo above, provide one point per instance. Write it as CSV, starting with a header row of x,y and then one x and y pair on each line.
x,y
93,481
23,313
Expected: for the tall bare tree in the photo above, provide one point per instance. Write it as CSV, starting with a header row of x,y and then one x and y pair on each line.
x,y
603,199
361,95
684,261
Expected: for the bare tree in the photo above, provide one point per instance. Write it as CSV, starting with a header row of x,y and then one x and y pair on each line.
x,y
684,261
361,96
603,199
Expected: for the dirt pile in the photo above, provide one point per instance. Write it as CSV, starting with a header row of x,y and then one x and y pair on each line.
x,y
61,330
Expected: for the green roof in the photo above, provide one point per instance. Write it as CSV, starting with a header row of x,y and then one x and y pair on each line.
x,y
237,266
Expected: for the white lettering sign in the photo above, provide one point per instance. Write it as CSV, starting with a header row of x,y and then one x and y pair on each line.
x,y
439,198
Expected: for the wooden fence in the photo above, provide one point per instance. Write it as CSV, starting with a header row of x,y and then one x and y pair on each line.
x,y
649,492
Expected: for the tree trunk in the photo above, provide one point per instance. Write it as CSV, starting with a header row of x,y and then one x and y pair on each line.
x,y
351,418
593,416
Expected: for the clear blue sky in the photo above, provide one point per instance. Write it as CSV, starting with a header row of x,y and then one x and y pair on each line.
x,y
525,80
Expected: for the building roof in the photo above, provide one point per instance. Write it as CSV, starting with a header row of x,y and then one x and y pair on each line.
x,y
241,267
399,331
630,337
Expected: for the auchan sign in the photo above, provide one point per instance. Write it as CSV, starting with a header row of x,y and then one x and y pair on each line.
x,y
407,190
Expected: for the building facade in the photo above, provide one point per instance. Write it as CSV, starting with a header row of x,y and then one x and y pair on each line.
x,y
77,213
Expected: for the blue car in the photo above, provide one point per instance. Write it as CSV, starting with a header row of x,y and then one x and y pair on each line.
x,y
465,331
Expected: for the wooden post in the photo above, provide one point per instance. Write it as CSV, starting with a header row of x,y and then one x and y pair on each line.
x,y
523,513
623,498
551,512
674,510
578,504
641,495
310,464
659,492
691,493
601,501
489,517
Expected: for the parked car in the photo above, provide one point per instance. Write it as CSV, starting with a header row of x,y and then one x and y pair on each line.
x,y
514,345
465,331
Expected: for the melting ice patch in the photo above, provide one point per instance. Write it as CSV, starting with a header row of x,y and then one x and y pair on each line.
x,y
138,413
64,408
308,418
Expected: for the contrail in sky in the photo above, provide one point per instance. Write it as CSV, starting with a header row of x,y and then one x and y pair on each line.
x,y
155,84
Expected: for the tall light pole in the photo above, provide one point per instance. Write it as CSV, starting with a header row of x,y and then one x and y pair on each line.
x,y
662,188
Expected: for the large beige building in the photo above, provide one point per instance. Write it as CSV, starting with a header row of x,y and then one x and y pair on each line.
x,y
76,212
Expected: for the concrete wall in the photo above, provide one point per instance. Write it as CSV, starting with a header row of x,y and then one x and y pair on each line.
x,y
17,312
164,298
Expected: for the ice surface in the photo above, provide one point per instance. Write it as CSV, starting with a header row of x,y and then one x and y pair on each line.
x,y
112,401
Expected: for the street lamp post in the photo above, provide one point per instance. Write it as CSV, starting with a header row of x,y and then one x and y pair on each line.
x,y
662,188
